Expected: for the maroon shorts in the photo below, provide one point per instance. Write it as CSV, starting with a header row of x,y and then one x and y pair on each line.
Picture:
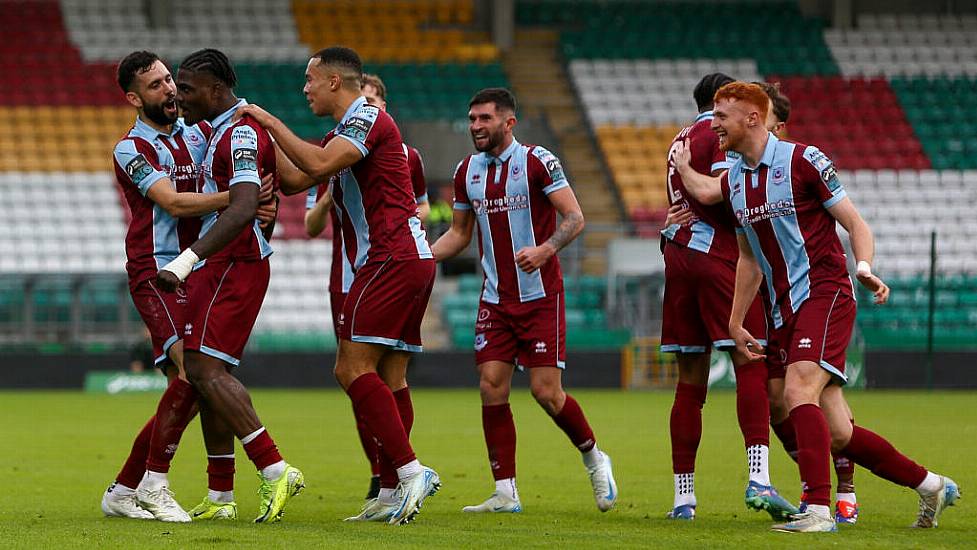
x,y
164,313
225,298
336,301
698,301
819,332
527,334
386,304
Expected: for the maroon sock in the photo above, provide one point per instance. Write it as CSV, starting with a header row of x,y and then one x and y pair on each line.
x,y
176,409
572,421
686,426
135,465
374,402
262,450
388,473
787,436
813,452
752,408
220,473
369,444
500,439
871,451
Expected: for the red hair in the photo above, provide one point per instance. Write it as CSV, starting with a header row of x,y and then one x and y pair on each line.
x,y
748,93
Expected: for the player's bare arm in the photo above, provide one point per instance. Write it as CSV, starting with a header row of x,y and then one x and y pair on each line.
x,y
185,205
289,175
705,189
457,237
862,245
318,216
531,258
238,214
316,162
748,279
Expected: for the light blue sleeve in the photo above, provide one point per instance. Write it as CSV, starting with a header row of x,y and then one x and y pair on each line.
x,y
358,127
556,178
141,171
244,156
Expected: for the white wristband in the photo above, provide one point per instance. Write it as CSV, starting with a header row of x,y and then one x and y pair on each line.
x,y
863,269
182,265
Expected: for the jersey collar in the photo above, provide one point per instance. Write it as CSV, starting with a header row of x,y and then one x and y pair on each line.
x,y
224,117
704,115
357,103
768,154
146,131
504,156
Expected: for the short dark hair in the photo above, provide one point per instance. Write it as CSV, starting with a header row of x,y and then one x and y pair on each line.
x,y
376,82
136,62
781,103
213,62
502,98
707,88
344,58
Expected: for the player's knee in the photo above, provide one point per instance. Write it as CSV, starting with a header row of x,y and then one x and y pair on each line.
x,y
493,389
548,396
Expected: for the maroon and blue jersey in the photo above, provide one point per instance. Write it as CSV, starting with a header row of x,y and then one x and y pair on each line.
x,y
142,158
508,195
376,206
711,229
341,273
238,152
781,206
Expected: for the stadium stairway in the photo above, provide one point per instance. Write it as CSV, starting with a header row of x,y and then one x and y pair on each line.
x,y
542,86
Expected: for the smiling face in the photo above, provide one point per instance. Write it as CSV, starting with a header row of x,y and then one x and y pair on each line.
x,y
731,121
154,94
319,87
196,94
489,125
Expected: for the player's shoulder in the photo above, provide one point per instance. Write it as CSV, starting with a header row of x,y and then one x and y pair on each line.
x,y
549,162
132,144
810,155
462,165
246,132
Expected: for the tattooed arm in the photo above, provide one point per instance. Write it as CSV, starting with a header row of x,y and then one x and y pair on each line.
x,y
531,258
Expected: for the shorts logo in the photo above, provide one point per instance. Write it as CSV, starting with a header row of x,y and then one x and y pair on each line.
x,y
246,159
342,319
804,343
138,169
483,314
783,356
480,342
188,329
540,347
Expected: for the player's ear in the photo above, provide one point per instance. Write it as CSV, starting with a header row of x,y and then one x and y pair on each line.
x,y
134,99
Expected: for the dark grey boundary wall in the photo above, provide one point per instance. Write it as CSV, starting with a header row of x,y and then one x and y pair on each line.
x,y
297,370
454,370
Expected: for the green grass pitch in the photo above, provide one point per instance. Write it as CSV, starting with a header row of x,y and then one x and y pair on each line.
x,y
61,449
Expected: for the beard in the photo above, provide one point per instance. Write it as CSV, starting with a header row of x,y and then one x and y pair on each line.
x,y
494,140
157,114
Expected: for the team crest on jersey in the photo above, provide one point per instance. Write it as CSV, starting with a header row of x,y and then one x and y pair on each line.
x,y
516,171
779,175
480,341
193,138
138,169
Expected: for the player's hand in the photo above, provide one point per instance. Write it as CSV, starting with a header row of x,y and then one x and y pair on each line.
x,y
267,192
873,283
531,258
167,281
746,344
678,214
682,156
261,116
